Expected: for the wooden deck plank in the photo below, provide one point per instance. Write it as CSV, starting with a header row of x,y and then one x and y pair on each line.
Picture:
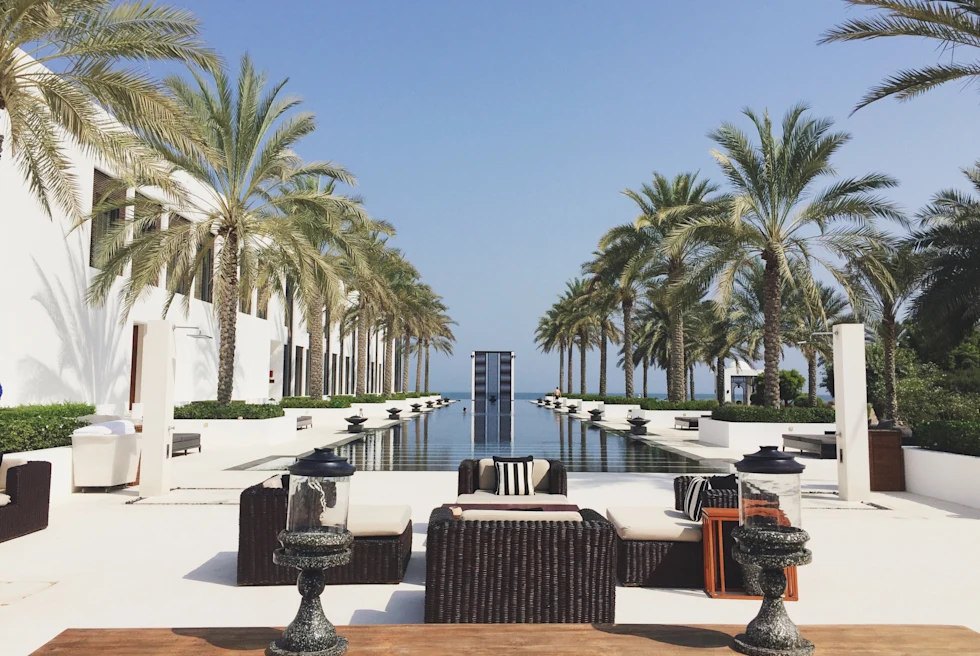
x,y
570,639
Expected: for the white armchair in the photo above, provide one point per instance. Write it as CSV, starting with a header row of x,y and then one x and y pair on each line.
x,y
105,455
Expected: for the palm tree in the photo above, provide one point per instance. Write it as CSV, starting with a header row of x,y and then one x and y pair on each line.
x,y
548,335
601,303
253,182
949,236
622,264
664,205
805,318
63,61
949,24
583,324
776,214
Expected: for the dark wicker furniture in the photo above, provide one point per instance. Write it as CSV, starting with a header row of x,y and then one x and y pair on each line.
x,y
29,489
262,514
469,477
519,571
670,564
185,441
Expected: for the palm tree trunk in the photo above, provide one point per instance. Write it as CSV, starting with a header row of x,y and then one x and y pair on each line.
x,y
362,351
891,393
561,367
418,367
327,378
670,387
603,345
628,344
581,361
772,295
426,366
316,348
646,371
341,369
692,383
390,360
227,317
720,380
677,369
369,370
406,359
571,347
811,378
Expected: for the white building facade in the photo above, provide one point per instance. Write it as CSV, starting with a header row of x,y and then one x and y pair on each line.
x,y
56,347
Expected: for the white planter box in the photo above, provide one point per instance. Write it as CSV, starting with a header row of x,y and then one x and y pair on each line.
x,y
665,418
946,476
748,436
229,432
61,472
617,412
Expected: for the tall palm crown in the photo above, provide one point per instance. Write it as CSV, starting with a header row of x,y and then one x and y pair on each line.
x,y
251,197
949,303
951,24
550,335
63,65
804,318
776,214
664,205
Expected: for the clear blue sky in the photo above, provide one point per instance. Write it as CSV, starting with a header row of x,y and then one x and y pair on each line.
x,y
497,136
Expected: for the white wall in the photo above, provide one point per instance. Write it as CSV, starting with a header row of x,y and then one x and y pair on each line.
x,y
946,476
749,436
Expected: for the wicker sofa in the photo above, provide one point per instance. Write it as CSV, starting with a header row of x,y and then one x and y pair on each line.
x,y
262,514
525,571
674,558
477,481
28,487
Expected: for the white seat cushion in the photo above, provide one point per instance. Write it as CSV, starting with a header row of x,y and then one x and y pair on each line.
x,y
378,521
6,465
521,516
536,499
4,500
653,523
488,475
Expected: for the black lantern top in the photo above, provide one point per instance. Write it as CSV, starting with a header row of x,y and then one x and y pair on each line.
x,y
769,460
322,463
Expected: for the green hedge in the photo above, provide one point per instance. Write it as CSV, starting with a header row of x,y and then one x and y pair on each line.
x,y
234,410
961,437
307,402
786,415
647,404
32,427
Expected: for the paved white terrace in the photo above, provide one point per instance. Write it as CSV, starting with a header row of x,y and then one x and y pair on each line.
x,y
170,562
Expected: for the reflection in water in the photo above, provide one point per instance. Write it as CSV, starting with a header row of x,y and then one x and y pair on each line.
x,y
439,440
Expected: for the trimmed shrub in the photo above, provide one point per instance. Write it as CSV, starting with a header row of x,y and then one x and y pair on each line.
x,y
785,415
32,427
367,398
962,437
657,404
307,402
234,410
803,401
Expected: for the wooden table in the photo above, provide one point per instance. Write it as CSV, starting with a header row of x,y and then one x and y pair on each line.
x,y
536,639
544,507
712,521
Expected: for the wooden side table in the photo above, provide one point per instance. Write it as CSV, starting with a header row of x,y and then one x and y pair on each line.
x,y
712,523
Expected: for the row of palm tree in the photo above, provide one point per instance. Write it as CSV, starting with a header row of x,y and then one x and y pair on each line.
x,y
221,151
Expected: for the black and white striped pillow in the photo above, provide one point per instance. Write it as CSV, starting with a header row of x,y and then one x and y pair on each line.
x,y
692,500
514,475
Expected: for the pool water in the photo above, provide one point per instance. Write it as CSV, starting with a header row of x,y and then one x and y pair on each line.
x,y
439,440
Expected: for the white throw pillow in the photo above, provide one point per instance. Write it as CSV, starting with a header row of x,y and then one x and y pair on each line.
x,y
4,500
692,500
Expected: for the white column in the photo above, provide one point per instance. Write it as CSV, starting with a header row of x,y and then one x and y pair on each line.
x,y
472,376
157,387
851,402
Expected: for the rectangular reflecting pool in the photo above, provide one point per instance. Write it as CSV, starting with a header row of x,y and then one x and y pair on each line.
x,y
439,440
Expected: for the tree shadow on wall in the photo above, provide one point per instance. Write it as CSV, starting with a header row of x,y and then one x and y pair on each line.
x,y
88,365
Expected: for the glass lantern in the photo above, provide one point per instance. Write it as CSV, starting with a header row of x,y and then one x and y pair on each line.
x,y
319,493
769,489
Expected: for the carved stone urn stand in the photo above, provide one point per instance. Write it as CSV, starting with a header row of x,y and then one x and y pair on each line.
x,y
773,549
311,633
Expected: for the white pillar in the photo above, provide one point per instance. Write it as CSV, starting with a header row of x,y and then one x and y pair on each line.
x,y
159,364
851,402
472,376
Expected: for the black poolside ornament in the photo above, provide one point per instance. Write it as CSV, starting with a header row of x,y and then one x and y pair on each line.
x,y
393,413
356,424
596,414
429,404
547,403
572,408
540,401
315,538
416,407
638,425
769,537
557,403
493,398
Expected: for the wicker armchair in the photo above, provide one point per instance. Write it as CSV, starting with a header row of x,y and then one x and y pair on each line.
x,y
29,488
520,571
469,477
709,498
262,514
